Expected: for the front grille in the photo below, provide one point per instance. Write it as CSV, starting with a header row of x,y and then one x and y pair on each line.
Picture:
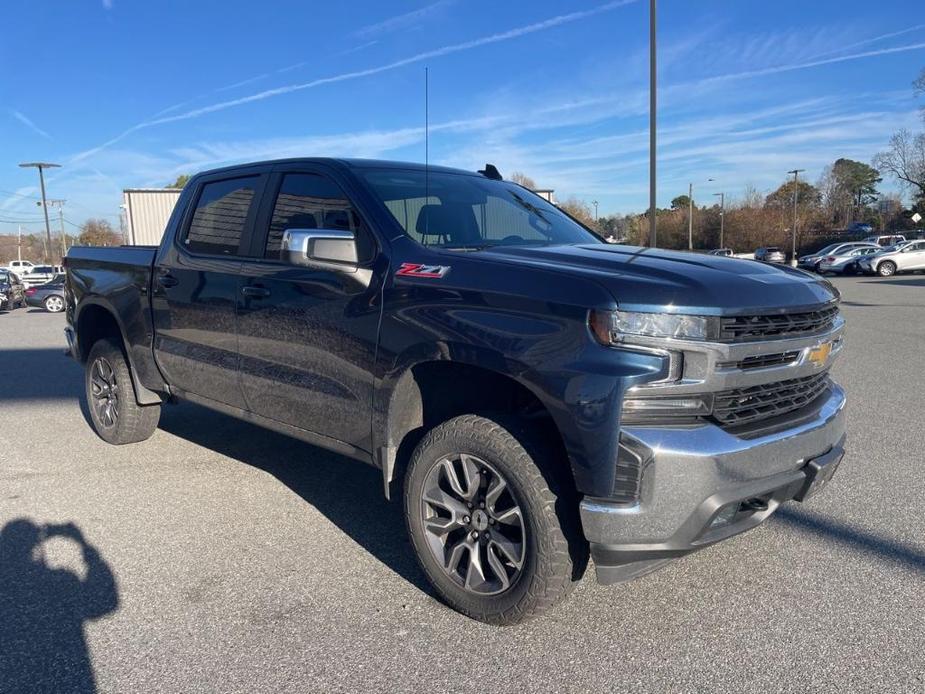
x,y
760,361
743,328
744,405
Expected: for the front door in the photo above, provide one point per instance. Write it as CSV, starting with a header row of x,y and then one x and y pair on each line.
x,y
307,335
195,287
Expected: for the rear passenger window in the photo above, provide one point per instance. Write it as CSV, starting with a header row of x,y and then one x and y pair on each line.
x,y
220,214
312,201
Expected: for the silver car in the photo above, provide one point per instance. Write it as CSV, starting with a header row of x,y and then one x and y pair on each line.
x,y
845,261
770,254
903,257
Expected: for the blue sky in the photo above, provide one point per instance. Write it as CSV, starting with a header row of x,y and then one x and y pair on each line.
x,y
129,94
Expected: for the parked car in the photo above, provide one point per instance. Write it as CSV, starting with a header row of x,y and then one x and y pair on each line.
x,y
886,239
12,292
770,254
49,296
844,261
38,274
534,393
20,267
725,252
904,257
812,260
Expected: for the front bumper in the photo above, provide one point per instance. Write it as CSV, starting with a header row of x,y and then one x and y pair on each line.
x,y
692,474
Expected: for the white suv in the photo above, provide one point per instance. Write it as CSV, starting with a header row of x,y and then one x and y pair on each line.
x,y
907,257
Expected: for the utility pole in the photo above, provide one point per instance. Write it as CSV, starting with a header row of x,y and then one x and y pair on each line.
x,y
19,244
690,215
594,202
41,166
60,205
722,216
652,109
796,192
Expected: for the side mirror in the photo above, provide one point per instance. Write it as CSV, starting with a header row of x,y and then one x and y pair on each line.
x,y
319,246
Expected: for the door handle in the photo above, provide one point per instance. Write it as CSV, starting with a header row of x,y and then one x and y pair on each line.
x,y
255,292
167,280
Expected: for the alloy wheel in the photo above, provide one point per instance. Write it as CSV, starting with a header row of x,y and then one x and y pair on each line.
x,y
55,304
474,524
105,392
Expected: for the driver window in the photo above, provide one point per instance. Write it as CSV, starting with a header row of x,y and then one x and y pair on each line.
x,y
312,201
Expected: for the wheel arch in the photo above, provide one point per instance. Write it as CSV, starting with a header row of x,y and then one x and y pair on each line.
x,y
433,390
97,320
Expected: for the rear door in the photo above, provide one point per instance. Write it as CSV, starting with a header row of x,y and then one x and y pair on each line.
x,y
195,287
914,257
307,334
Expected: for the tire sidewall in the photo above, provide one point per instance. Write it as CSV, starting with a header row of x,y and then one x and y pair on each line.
x,y
113,354
478,443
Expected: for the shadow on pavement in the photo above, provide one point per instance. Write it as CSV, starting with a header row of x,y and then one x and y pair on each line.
x,y
898,281
43,610
39,374
348,492
898,552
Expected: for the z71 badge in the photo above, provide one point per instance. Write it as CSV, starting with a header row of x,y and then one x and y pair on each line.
x,y
434,272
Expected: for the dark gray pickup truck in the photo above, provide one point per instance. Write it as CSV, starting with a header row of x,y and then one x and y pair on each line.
x,y
536,396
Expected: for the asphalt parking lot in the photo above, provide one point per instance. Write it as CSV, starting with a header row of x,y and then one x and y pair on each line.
x,y
229,558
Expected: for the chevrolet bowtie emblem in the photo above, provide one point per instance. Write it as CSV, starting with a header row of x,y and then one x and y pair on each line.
x,y
820,355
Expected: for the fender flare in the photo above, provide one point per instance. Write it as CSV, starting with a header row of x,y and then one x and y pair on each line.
x,y
143,395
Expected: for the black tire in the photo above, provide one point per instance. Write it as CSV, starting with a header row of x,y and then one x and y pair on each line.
x,y
886,269
851,269
125,421
553,552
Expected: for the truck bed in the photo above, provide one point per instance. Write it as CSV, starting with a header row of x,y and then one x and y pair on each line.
x,y
114,280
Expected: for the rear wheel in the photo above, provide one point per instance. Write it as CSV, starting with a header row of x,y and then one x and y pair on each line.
x,y
481,513
886,269
117,418
54,304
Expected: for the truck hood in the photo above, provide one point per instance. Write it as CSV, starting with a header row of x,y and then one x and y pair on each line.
x,y
645,279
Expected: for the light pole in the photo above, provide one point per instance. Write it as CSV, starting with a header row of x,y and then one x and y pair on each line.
x,y
41,166
796,193
690,215
722,216
652,106
594,202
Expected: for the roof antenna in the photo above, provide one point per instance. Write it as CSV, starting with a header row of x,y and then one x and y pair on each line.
x,y
426,154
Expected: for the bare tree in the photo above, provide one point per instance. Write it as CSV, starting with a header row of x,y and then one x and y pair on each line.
x,y
905,159
523,179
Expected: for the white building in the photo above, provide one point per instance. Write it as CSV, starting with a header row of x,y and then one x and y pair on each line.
x,y
146,213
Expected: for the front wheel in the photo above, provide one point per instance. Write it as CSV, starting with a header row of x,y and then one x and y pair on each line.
x,y
481,513
886,269
117,418
54,304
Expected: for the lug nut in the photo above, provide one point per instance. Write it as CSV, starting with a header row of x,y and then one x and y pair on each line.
x,y
475,535
491,521
466,519
469,504
482,505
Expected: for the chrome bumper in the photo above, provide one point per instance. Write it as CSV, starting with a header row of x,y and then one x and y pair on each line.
x,y
690,474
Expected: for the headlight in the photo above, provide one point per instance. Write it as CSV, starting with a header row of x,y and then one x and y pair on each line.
x,y
609,327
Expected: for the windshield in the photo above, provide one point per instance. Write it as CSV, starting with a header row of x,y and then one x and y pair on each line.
x,y
471,212
827,249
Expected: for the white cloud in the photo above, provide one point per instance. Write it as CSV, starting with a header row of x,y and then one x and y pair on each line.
x,y
29,124
401,21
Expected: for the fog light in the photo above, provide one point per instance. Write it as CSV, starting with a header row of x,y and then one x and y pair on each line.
x,y
725,515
